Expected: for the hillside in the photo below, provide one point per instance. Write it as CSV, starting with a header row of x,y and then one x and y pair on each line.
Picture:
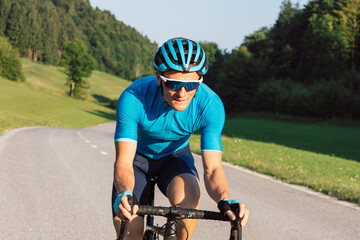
x,y
42,100
39,29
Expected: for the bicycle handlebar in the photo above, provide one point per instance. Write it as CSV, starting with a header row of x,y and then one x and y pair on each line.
x,y
181,213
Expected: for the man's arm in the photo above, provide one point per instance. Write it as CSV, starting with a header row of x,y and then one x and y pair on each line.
x,y
124,173
216,183
214,176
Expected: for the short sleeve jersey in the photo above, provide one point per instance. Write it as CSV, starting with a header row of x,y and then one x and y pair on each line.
x,y
142,116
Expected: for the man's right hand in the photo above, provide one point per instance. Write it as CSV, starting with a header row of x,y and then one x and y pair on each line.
x,y
126,205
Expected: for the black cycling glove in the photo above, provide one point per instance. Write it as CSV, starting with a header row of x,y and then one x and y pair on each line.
x,y
225,204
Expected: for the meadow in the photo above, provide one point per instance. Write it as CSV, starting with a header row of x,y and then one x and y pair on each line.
x,y
43,100
322,155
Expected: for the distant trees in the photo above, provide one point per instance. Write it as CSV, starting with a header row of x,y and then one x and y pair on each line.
x,y
306,64
10,63
39,29
79,65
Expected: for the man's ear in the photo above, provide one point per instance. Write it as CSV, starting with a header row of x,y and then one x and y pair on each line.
x,y
158,78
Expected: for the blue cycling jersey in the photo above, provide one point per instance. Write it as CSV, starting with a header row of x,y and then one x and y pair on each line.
x,y
142,116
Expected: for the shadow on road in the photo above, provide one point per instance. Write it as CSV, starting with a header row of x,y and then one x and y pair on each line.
x,y
106,115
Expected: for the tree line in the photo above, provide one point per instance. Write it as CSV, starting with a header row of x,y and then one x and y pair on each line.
x,y
306,64
40,28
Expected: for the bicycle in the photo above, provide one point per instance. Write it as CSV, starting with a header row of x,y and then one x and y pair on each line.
x,y
174,214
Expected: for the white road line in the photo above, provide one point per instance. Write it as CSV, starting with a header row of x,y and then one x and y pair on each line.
x,y
92,145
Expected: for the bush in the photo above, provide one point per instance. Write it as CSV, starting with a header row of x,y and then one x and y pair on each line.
x,y
355,108
10,62
298,101
279,96
330,99
267,96
322,99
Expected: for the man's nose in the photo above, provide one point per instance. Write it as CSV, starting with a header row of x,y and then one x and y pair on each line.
x,y
182,92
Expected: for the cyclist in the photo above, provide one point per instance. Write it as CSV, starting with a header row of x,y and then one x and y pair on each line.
x,y
155,118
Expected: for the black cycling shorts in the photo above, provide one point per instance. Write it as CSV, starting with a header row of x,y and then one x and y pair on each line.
x,y
165,169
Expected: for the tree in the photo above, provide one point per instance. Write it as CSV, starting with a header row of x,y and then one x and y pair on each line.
x,y
215,58
79,65
211,49
349,21
240,76
284,40
10,63
34,33
4,12
16,23
259,43
50,33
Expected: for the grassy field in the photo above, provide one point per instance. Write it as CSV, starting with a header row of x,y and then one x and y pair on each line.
x,y
42,100
103,87
322,156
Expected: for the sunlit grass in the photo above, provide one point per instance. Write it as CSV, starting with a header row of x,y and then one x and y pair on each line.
x,y
43,100
24,106
334,138
334,176
52,79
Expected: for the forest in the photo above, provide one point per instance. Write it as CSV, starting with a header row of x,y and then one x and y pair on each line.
x,y
307,64
39,29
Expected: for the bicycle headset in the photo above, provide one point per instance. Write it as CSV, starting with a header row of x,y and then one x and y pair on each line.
x,y
181,54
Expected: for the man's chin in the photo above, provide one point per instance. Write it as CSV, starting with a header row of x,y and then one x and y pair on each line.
x,y
179,106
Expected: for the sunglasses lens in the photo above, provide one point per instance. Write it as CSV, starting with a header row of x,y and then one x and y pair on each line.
x,y
176,86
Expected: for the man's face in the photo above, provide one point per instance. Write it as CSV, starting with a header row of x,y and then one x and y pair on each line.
x,y
178,100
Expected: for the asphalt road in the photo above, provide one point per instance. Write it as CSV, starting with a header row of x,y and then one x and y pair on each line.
x,y
56,184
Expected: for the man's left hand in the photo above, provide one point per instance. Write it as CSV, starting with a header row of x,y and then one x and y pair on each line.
x,y
229,207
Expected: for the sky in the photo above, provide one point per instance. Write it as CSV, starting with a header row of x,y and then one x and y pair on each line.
x,y
225,22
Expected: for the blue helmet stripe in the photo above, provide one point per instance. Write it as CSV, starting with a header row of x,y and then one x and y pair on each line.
x,y
197,52
182,53
168,61
199,66
160,68
172,50
190,49
204,71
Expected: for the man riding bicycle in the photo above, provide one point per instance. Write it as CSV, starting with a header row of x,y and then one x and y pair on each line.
x,y
155,118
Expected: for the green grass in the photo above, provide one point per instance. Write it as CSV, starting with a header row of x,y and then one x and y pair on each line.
x,y
298,153
104,87
42,100
45,77
327,138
